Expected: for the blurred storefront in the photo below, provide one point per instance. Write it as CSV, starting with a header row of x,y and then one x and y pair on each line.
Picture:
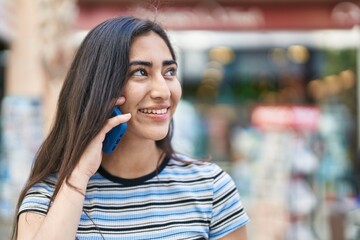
x,y
270,93
279,111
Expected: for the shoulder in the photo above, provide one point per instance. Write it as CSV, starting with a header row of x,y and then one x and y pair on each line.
x,y
228,213
198,166
45,187
188,167
38,197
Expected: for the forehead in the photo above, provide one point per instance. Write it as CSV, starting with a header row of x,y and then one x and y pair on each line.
x,y
149,45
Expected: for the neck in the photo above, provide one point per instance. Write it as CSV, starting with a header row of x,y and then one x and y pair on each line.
x,y
133,160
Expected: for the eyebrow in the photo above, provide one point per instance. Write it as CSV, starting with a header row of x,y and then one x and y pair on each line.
x,y
149,64
169,62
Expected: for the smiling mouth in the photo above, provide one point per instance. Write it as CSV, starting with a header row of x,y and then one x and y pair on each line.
x,y
154,111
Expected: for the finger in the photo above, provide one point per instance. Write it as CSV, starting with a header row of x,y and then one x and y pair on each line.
x,y
114,121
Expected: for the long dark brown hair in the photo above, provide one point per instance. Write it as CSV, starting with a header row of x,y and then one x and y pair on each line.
x,y
94,81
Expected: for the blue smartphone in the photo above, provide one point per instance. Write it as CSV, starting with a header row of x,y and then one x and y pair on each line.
x,y
114,136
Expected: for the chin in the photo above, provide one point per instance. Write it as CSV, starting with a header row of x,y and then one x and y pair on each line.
x,y
160,137
155,134
159,133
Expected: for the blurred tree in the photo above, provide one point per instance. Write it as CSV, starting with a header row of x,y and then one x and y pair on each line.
x,y
55,24
41,49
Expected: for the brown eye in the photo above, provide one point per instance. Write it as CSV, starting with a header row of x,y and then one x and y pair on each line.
x,y
139,72
170,72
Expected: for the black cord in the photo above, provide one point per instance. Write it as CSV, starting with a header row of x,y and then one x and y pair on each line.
x,y
97,228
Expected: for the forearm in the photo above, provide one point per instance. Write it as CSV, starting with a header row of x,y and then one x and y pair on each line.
x,y
62,219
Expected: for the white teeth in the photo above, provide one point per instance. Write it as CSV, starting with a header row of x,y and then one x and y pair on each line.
x,y
154,111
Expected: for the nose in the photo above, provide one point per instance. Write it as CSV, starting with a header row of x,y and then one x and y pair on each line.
x,y
159,88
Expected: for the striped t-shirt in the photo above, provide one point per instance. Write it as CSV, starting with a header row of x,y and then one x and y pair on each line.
x,y
181,200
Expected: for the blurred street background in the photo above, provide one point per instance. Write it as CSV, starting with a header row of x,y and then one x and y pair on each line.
x,y
270,92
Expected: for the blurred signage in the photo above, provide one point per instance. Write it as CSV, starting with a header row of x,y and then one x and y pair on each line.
x,y
228,16
346,13
184,17
285,117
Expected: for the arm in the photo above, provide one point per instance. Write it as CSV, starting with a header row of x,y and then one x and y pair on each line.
x,y
239,234
63,217
65,212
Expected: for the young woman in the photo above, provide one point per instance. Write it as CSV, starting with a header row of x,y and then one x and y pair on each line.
x,y
143,190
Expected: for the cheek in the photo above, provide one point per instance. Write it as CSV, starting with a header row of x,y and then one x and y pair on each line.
x,y
176,92
128,89
131,93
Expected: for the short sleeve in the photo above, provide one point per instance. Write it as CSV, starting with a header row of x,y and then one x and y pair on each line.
x,y
228,213
37,199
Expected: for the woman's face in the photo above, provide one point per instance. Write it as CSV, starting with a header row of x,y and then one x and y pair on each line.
x,y
153,90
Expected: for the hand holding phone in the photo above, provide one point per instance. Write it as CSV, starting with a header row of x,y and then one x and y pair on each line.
x,y
114,136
